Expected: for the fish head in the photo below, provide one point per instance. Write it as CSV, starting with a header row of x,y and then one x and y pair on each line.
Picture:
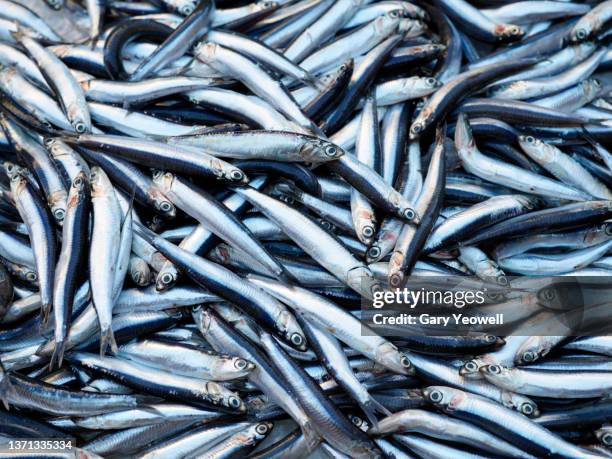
x,y
520,403
464,139
582,31
315,150
411,28
497,374
99,182
388,355
509,32
261,430
263,6
471,369
202,318
12,170
419,125
592,87
205,52
160,201
77,120
240,364
163,180
430,84
537,149
445,398
80,184
292,333
186,8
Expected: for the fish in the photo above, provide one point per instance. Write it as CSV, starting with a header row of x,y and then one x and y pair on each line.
x,y
278,229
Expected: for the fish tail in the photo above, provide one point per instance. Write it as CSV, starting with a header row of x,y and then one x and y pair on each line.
x,y
58,355
45,310
5,388
370,407
312,437
107,338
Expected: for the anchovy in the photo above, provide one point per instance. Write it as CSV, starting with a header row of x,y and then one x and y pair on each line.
x,y
528,434
41,233
64,85
180,40
71,260
233,287
105,240
458,88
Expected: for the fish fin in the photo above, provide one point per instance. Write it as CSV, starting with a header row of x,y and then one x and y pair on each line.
x,y
58,355
107,338
370,407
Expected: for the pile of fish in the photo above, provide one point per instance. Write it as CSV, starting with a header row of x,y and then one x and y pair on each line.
x,y
196,197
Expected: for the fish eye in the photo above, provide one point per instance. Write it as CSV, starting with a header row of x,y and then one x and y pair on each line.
x,y
49,141
436,396
581,34
240,364
330,151
77,182
527,409
234,402
186,9
608,229
395,280
59,214
374,252
167,279
165,206
502,280
357,421
262,429
491,338
393,14
297,339
157,173
80,127
548,294
405,362
493,369
606,439
529,356
432,81
596,83
416,128
515,31
409,214
529,139
237,175
471,367
368,231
